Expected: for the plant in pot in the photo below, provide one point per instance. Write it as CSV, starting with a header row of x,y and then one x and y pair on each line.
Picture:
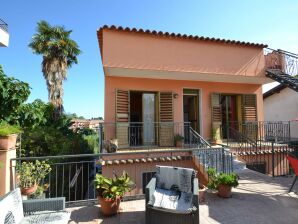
x,y
178,139
110,192
30,174
40,192
8,135
222,182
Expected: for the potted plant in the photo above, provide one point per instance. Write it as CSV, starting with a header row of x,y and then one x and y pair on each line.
x,y
178,139
30,175
8,136
40,192
110,192
222,182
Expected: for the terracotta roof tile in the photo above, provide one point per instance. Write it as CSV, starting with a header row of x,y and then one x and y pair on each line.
x,y
173,35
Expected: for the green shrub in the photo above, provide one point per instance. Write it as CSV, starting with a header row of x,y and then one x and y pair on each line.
x,y
111,188
228,179
32,173
7,129
222,178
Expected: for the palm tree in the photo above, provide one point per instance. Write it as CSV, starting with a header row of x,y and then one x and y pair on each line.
x,y
59,53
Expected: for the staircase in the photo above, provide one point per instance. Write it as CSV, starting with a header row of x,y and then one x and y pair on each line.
x,y
284,79
266,153
282,66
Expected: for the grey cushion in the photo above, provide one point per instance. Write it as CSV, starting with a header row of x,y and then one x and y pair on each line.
x,y
169,199
175,178
11,208
61,217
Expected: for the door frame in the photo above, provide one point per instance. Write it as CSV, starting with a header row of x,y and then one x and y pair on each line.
x,y
200,99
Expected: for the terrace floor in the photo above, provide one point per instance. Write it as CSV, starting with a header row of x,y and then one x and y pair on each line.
x,y
258,199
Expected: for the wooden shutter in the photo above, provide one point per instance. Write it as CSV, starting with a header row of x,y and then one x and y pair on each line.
x,y
249,107
249,111
166,118
166,107
216,118
122,117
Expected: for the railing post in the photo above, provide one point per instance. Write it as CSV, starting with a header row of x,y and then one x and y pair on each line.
x,y
223,159
100,138
289,133
272,153
189,135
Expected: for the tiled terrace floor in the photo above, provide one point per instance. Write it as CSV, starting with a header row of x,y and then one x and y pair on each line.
x,y
258,199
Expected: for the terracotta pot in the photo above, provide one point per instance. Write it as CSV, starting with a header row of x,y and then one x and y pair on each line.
x,y
109,207
202,193
224,191
179,144
8,142
28,190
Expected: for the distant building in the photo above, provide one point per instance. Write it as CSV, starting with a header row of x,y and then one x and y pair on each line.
x,y
4,35
281,104
86,123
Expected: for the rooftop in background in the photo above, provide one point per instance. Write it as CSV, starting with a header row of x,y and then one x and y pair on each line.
x,y
4,36
3,25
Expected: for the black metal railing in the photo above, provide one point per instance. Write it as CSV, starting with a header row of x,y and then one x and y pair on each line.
x,y
142,135
282,60
221,159
72,176
3,25
263,145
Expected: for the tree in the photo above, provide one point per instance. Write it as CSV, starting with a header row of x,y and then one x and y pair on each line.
x,y
59,53
13,93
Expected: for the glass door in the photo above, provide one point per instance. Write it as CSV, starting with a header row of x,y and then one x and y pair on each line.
x,y
148,100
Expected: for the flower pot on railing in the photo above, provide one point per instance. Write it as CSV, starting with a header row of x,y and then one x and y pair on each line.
x,y
178,139
8,136
8,142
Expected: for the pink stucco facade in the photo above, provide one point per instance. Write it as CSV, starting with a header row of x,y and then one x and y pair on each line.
x,y
145,62
177,86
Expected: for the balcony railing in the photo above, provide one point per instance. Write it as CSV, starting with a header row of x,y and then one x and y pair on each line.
x,y
142,135
263,145
282,60
72,176
3,25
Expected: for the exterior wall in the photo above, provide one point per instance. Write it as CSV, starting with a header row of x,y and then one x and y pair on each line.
x,y
135,170
281,164
176,86
140,51
6,171
283,106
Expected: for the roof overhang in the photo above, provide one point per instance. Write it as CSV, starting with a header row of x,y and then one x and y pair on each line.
x,y
178,75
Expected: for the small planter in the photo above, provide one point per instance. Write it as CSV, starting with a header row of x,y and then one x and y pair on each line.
x,y
28,190
8,142
224,191
202,193
109,207
179,144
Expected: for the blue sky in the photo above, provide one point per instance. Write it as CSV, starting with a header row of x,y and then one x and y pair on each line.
x,y
273,22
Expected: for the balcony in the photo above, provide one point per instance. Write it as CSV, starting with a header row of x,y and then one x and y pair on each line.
x,y
4,35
